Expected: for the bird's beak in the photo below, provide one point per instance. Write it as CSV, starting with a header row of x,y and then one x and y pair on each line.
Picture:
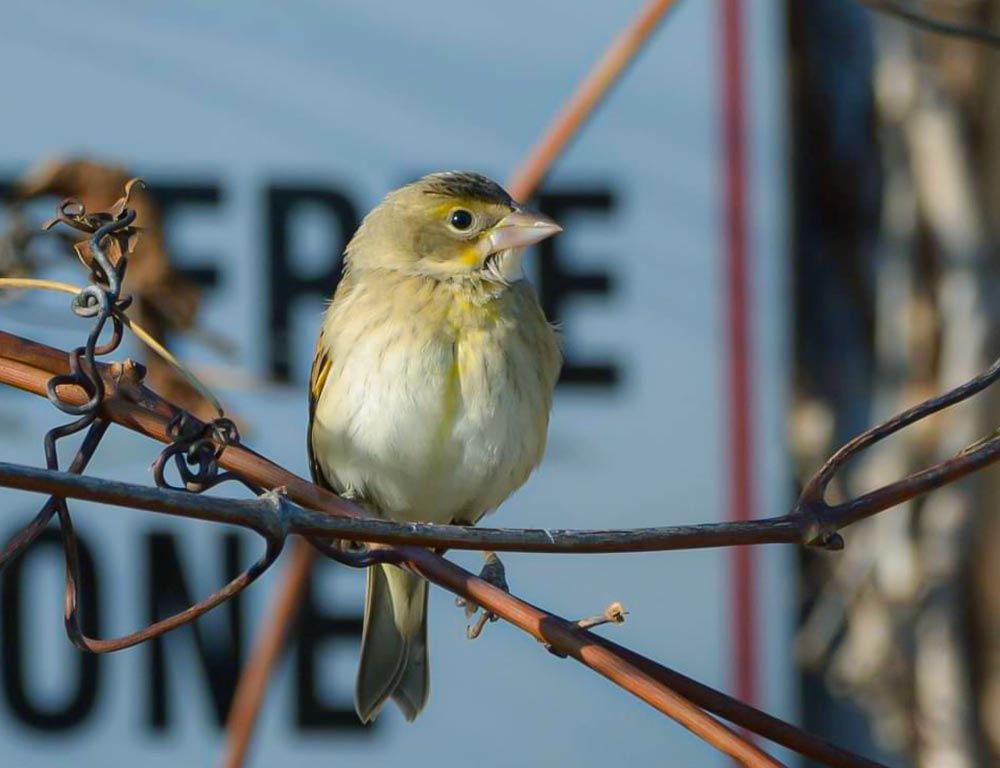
x,y
521,229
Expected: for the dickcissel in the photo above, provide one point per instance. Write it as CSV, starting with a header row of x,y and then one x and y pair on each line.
x,y
430,390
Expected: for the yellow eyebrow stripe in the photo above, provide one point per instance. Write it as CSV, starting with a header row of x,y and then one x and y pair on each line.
x,y
455,202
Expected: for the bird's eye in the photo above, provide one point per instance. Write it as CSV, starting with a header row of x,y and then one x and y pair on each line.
x,y
460,219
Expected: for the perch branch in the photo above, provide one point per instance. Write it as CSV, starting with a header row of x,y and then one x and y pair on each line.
x,y
28,366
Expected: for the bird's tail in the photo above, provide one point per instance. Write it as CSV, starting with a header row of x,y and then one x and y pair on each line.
x,y
393,644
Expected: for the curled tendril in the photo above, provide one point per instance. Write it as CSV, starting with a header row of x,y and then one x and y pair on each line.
x,y
195,446
195,449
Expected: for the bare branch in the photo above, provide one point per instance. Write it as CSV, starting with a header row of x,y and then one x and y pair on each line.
x,y
274,515
581,105
22,364
105,393
96,394
114,393
813,522
28,365
256,673
904,11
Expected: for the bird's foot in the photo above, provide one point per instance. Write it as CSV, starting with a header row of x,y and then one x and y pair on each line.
x,y
493,572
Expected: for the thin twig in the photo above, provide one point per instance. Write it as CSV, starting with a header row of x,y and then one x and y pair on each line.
x,y
813,522
745,716
613,614
122,399
907,13
272,512
589,93
28,365
568,639
141,333
256,673
129,404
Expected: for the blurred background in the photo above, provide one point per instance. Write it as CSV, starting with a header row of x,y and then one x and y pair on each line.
x,y
778,232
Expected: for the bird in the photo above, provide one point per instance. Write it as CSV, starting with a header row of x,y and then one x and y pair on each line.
x,y
431,389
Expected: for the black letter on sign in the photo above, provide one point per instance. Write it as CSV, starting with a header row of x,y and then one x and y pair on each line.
x,y
16,647
220,657
557,283
171,197
286,284
317,629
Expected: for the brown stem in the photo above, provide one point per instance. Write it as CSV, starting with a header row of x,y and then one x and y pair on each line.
x,y
567,638
256,673
273,516
29,365
585,99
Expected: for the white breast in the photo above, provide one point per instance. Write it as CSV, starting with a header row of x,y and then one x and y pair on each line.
x,y
437,413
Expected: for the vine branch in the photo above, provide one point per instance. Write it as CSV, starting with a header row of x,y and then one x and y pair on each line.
x,y
316,513
105,394
29,366
907,13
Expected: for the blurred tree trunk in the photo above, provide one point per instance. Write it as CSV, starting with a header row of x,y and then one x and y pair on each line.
x,y
906,623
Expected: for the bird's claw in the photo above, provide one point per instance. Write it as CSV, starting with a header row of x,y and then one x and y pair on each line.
x,y
493,571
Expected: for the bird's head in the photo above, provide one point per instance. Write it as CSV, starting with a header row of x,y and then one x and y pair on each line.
x,y
449,226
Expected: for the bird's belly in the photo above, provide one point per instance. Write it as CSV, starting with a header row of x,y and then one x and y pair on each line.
x,y
435,432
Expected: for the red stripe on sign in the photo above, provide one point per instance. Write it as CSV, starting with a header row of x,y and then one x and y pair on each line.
x,y
737,324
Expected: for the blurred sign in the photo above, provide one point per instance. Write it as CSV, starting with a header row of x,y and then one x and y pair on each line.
x,y
266,136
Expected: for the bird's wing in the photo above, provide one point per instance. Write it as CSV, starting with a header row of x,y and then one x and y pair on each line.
x,y
317,380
